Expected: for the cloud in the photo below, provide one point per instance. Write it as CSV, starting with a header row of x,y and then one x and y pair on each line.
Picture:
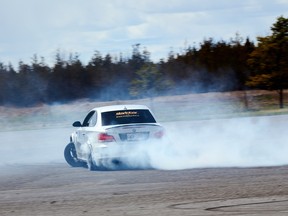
x,y
40,27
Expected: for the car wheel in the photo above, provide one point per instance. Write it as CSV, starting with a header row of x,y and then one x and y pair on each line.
x,y
71,156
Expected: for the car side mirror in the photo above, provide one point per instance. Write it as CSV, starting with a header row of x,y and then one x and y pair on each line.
x,y
77,124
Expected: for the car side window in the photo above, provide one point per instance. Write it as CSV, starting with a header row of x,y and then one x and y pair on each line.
x,y
90,120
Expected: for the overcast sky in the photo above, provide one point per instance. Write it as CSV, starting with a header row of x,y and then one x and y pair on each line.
x,y
42,27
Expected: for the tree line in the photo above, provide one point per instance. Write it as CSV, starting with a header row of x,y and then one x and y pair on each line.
x,y
237,64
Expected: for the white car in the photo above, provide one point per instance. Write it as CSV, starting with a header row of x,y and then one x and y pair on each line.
x,y
108,135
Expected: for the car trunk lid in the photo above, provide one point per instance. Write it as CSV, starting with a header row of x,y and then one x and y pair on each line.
x,y
135,132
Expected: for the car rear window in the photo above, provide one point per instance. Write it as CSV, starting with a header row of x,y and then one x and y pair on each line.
x,y
127,117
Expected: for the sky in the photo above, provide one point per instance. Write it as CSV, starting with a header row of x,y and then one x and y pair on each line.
x,y
45,27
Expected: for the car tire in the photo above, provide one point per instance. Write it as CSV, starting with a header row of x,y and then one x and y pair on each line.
x,y
70,156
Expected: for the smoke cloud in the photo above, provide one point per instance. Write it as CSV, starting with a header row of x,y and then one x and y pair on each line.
x,y
33,146
239,142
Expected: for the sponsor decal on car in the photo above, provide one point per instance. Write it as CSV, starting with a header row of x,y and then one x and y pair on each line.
x,y
126,114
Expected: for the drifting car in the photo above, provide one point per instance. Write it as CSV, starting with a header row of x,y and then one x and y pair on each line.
x,y
109,134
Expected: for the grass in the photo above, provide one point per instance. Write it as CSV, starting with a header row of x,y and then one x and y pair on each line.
x,y
167,108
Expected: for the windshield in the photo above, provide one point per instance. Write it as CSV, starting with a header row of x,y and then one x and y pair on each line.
x,y
127,117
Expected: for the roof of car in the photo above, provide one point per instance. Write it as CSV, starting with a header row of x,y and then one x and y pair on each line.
x,y
120,107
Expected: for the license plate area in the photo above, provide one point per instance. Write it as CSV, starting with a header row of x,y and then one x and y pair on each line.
x,y
139,136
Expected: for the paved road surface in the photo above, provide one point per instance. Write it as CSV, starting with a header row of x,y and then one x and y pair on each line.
x,y
56,189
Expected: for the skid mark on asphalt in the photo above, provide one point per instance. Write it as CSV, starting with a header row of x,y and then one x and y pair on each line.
x,y
265,205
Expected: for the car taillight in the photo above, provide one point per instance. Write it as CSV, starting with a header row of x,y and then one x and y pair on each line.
x,y
105,137
159,134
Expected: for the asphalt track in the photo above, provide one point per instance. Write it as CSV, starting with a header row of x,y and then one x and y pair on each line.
x,y
53,188
59,190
